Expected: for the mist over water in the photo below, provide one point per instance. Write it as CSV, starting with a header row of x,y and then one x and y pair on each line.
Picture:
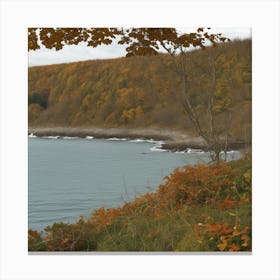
x,y
71,177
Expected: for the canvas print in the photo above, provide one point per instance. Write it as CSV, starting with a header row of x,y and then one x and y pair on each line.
x,y
139,139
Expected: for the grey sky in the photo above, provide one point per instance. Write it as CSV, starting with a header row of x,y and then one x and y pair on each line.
x,y
82,52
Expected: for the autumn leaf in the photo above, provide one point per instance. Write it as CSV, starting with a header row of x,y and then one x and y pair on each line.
x,y
234,248
222,246
231,214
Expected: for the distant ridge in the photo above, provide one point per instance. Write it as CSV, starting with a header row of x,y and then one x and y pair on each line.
x,y
137,92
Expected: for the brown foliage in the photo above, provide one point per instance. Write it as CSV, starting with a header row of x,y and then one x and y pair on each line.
x,y
224,237
140,41
138,91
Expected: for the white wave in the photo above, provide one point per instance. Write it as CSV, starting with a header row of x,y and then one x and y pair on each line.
x,y
155,141
89,137
180,152
157,149
117,139
195,151
146,140
68,137
51,137
31,135
137,141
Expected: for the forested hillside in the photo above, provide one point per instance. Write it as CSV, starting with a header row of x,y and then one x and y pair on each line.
x,y
142,91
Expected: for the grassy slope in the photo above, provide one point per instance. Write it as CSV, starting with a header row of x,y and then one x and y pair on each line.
x,y
202,208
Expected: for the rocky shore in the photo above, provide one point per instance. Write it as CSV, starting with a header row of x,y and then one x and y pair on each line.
x,y
174,140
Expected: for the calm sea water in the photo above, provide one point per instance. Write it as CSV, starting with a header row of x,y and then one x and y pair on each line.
x,y
72,177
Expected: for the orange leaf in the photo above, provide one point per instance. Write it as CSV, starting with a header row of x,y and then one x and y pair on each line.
x,y
222,246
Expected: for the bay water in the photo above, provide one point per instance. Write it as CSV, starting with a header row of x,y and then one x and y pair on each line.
x,y
70,177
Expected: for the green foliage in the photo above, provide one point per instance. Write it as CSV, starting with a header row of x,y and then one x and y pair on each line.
x,y
64,237
202,208
40,99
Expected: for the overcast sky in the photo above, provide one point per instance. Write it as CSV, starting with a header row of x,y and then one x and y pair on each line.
x,y
82,52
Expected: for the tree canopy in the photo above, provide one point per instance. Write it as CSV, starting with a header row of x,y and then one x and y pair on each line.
x,y
140,41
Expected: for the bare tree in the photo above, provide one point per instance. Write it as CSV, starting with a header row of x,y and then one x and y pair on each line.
x,y
151,41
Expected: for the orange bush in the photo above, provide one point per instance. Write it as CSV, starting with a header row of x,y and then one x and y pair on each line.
x,y
223,237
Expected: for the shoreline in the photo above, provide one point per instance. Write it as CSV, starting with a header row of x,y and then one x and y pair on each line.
x,y
174,140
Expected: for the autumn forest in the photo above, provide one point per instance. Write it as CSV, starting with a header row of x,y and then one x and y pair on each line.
x,y
142,91
205,92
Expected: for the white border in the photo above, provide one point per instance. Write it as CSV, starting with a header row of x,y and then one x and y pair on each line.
x,y
262,16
